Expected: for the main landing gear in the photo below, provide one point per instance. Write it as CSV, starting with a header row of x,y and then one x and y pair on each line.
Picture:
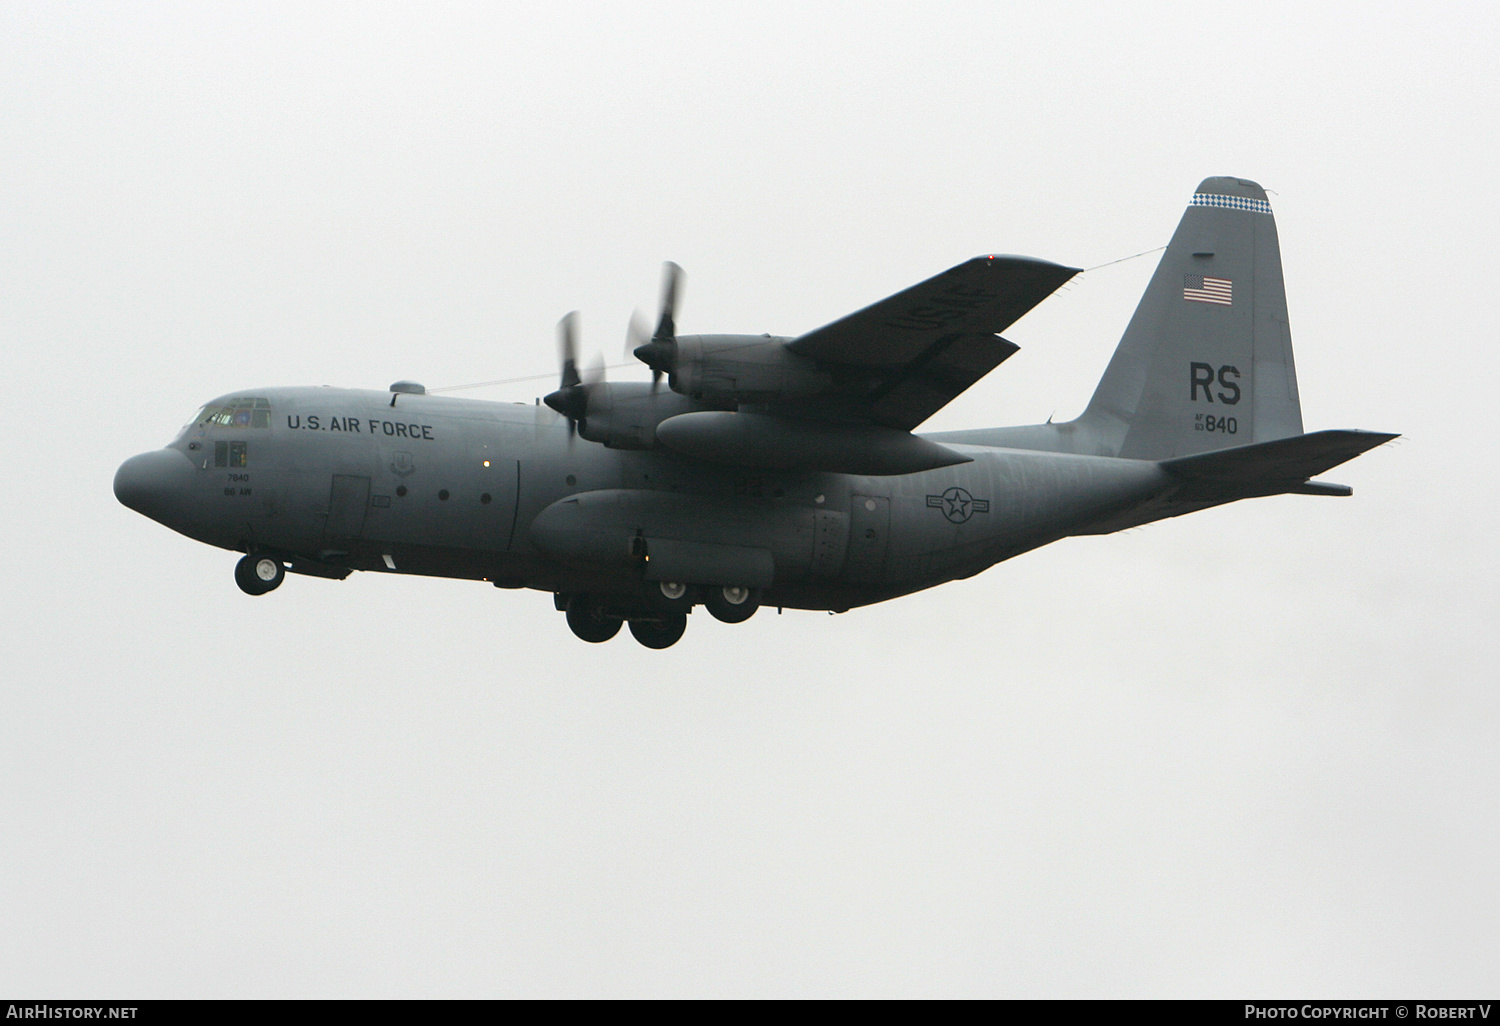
x,y
661,619
662,632
590,620
594,621
731,604
258,574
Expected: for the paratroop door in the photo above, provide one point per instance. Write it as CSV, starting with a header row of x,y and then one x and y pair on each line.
x,y
348,502
869,537
830,541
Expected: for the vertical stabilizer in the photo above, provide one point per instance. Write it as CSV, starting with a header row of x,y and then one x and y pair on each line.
x,y
1206,362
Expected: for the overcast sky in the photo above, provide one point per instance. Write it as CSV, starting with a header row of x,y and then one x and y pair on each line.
x,y
1247,752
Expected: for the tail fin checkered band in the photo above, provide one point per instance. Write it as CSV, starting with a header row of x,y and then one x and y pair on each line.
x,y
1213,199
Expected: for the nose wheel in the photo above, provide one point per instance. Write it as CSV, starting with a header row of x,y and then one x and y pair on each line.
x,y
258,574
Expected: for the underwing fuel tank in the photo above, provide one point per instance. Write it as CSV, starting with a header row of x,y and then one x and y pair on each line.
x,y
669,537
784,443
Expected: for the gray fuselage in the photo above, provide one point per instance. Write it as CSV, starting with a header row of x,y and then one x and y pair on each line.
x,y
336,479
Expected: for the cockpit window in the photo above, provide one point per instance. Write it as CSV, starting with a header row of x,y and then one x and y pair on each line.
x,y
238,413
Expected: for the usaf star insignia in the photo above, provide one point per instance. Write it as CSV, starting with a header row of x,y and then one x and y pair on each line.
x,y
958,505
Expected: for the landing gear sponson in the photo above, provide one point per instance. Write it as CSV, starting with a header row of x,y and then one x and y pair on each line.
x,y
661,622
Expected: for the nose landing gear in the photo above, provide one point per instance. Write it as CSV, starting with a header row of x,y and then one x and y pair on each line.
x,y
259,574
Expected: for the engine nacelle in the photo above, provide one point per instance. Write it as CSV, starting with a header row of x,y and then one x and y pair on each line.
x,y
754,369
624,414
784,443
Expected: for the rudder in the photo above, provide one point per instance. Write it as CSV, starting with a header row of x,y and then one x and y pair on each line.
x,y
1206,361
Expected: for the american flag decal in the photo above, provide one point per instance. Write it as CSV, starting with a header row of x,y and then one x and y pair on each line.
x,y
1198,288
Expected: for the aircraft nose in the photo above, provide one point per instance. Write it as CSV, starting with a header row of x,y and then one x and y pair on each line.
x,y
153,481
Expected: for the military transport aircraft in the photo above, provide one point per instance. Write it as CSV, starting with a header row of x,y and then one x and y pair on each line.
x,y
772,471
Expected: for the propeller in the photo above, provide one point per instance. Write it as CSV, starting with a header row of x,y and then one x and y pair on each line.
x,y
660,351
572,396
637,334
571,399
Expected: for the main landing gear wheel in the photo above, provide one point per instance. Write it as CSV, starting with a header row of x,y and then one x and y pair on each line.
x,y
590,621
660,633
257,575
672,596
731,604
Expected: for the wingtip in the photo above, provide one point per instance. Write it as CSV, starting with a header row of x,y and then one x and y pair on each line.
x,y
1015,258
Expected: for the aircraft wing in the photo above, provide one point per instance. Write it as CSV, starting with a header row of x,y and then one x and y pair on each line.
x,y
915,351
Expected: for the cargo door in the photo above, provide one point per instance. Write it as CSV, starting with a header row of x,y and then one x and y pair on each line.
x,y
869,537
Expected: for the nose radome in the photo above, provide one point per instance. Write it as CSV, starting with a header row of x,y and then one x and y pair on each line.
x,y
153,482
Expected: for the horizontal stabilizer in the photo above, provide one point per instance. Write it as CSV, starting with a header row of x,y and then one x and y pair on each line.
x,y
1269,468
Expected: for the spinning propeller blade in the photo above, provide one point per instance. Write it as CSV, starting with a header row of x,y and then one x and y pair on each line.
x,y
571,398
660,351
567,348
